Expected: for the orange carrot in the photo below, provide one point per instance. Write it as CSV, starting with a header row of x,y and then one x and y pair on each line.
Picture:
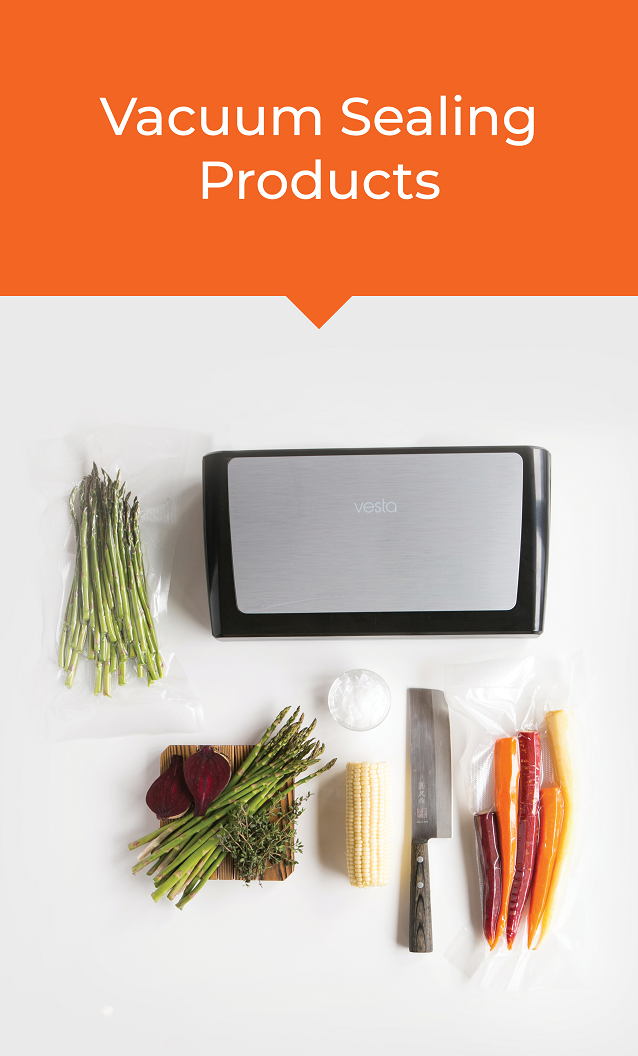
x,y
506,775
551,823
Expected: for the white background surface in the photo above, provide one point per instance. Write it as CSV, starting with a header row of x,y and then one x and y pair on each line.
x,y
92,966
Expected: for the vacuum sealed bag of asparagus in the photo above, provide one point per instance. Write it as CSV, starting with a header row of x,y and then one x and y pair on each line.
x,y
107,667
522,765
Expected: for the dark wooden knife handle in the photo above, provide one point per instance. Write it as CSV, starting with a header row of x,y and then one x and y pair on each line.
x,y
420,909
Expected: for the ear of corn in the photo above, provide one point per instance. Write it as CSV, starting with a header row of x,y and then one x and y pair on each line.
x,y
368,824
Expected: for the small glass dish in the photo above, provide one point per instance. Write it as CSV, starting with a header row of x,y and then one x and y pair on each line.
x,y
359,699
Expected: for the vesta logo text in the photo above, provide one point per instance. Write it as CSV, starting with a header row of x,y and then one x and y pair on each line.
x,y
376,507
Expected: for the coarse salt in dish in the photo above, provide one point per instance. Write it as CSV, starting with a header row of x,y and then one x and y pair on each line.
x,y
359,699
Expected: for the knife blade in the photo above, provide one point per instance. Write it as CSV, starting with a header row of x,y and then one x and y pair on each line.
x,y
431,801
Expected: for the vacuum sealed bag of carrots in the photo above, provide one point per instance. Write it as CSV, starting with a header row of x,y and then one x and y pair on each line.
x,y
522,764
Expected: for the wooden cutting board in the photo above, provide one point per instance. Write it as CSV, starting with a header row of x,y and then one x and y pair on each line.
x,y
235,753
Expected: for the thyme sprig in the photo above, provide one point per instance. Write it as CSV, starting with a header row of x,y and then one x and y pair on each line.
x,y
256,841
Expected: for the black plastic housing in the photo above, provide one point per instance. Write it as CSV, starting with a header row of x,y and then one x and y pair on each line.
x,y
526,618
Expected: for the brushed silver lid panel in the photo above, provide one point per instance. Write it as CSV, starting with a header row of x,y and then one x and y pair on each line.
x,y
376,533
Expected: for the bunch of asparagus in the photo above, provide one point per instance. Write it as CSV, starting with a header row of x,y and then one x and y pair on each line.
x,y
107,612
187,852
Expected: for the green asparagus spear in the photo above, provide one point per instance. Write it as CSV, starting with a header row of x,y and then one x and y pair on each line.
x,y
108,616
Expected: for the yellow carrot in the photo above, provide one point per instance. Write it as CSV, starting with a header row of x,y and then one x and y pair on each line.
x,y
551,822
506,775
560,727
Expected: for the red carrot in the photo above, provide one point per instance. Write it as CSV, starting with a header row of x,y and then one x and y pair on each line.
x,y
529,745
489,862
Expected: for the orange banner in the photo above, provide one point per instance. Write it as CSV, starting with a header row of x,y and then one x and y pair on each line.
x,y
443,149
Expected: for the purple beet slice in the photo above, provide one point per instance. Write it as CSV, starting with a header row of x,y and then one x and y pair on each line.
x,y
206,773
168,797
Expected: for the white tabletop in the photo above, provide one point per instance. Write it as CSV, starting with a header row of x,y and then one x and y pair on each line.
x,y
93,965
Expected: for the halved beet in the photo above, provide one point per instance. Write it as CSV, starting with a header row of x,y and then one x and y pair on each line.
x,y
206,773
168,797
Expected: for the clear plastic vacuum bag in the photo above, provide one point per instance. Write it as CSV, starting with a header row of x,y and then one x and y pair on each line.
x,y
522,765
152,462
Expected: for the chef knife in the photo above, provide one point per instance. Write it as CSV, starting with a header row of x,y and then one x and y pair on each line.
x,y
431,796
